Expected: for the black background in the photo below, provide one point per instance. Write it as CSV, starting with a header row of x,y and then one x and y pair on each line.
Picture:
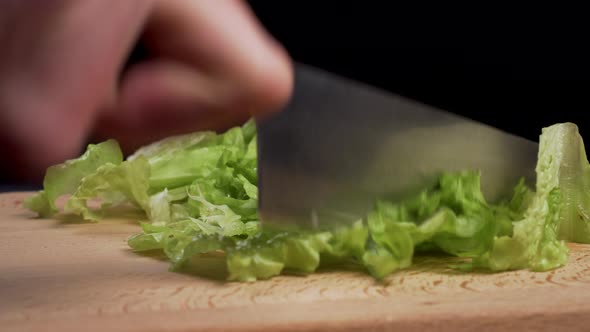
x,y
519,69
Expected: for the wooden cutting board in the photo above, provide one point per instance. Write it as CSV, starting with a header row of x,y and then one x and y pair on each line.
x,y
68,276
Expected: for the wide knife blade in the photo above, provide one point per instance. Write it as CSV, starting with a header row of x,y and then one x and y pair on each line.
x,y
340,144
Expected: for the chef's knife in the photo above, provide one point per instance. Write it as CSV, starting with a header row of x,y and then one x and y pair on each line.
x,y
340,144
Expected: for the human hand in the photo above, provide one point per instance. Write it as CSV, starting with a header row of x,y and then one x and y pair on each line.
x,y
211,66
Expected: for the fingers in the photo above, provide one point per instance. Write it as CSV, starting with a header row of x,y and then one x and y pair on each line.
x,y
226,43
160,98
58,65
218,67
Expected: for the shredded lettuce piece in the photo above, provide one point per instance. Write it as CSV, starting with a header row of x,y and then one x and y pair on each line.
x,y
65,178
200,195
534,244
113,185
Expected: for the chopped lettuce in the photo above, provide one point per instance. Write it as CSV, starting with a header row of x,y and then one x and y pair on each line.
x,y
113,185
65,178
200,195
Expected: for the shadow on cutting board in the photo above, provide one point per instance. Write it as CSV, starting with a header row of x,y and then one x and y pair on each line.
x,y
212,266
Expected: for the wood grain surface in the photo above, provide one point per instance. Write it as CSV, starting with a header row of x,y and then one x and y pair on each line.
x,y
69,276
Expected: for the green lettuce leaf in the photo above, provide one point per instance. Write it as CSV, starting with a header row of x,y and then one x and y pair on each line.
x,y
558,211
65,178
178,160
563,164
265,256
113,185
534,244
